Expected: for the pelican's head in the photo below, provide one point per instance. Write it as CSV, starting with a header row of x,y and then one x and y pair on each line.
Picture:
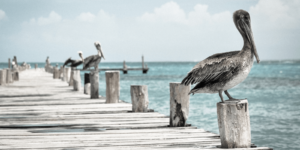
x,y
98,47
242,22
80,55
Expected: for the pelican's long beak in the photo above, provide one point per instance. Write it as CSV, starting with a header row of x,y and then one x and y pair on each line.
x,y
245,28
100,52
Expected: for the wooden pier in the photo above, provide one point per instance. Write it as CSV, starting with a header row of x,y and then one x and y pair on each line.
x,y
39,112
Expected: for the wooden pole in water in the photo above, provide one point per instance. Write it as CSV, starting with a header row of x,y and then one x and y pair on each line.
x,y
143,61
112,86
64,73
67,75
139,98
124,68
37,66
71,81
9,76
179,104
94,78
16,76
3,77
87,84
60,74
234,124
55,73
8,62
68,72
76,80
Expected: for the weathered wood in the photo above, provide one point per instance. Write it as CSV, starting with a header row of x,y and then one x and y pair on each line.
x,y
143,65
8,62
94,78
76,80
71,81
124,67
46,114
35,66
3,77
56,73
87,84
179,104
9,76
16,76
139,98
66,74
234,124
112,86
60,72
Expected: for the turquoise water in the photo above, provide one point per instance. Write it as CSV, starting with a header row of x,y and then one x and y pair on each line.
x,y
272,89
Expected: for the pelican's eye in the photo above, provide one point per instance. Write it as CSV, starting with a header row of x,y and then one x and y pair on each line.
x,y
241,16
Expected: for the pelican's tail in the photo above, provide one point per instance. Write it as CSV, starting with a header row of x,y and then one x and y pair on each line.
x,y
188,79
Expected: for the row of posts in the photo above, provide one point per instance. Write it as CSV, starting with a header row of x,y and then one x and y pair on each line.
x,y
9,75
233,118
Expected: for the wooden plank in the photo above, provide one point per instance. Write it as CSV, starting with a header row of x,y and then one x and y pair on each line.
x,y
47,114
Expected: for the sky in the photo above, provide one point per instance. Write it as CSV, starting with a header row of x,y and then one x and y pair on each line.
x,y
161,30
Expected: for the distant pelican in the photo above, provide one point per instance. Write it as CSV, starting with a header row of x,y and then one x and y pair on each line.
x,y
223,71
94,60
74,63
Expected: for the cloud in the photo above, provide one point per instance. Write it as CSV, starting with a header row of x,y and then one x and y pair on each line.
x,y
102,16
2,14
53,35
52,18
88,17
276,25
169,12
167,33
172,13
277,13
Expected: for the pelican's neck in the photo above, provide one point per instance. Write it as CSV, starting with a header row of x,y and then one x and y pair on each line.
x,y
247,44
247,48
99,54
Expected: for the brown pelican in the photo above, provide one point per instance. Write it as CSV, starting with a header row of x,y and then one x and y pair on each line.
x,y
223,71
94,60
74,63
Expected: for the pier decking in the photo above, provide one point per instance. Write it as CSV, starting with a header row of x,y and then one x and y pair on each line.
x,y
39,112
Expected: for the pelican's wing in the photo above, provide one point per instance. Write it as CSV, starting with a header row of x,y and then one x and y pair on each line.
x,y
211,68
88,61
68,61
76,63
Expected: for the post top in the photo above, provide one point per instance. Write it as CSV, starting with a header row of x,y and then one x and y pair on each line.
x,y
175,82
112,71
234,102
138,85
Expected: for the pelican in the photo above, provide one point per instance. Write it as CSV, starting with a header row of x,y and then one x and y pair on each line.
x,y
222,71
74,63
94,60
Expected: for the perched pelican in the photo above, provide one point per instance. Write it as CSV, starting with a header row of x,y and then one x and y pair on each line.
x,y
74,63
94,60
223,71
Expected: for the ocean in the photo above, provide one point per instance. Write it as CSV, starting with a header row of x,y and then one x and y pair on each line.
x,y
272,89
